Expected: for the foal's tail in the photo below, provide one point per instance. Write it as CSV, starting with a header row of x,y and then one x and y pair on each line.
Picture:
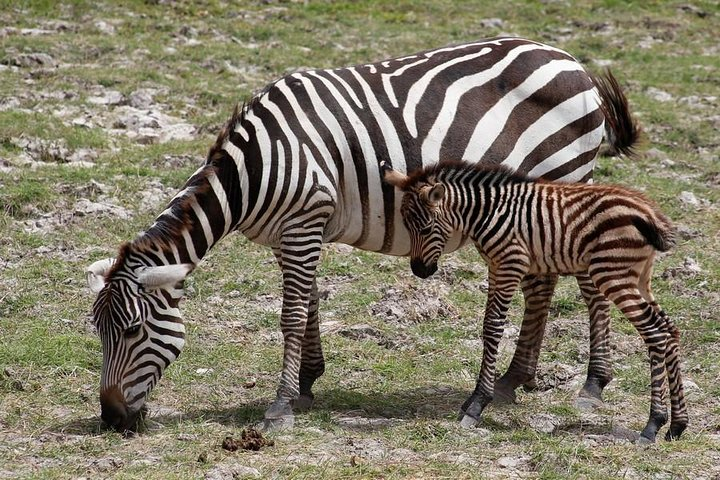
x,y
622,131
659,232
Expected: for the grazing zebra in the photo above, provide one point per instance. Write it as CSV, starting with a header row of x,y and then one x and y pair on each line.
x,y
298,166
523,227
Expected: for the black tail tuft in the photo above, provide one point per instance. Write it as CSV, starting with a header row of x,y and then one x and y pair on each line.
x,y
623,131
662,239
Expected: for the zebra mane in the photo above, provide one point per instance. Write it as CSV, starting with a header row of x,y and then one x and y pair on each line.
x,y
454,168
123,253
225,131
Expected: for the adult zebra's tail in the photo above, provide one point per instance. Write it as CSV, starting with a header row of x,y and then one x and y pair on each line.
x,y
621,128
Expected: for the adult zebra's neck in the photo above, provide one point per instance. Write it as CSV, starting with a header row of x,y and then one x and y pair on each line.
x,y
200,215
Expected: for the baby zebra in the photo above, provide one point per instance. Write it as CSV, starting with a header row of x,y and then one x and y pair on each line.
x,y
521,226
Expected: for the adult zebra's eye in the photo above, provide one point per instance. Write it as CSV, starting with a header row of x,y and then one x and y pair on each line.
x,y
426,230
131,331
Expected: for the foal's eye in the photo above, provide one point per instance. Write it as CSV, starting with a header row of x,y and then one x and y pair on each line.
x,y
426,230
131,331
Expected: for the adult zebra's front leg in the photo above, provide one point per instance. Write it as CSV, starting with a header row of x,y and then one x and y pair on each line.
x,y
299,256
312,362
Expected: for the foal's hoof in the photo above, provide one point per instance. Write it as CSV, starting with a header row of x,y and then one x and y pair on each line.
x,y
643,440
284,422
304,402
674,432
504,396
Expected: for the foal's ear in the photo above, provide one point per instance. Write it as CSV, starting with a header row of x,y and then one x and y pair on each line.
x,y
435,194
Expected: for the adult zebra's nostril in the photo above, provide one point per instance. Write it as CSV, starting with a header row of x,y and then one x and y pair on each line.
x,y
114,412
420,269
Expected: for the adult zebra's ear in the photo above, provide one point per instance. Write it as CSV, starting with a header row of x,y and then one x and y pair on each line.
x,y
393,177
164,276
95,274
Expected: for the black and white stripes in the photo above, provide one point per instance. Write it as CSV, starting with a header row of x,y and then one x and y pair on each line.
x,y
298,166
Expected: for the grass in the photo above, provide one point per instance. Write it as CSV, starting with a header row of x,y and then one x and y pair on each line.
x,y
386,405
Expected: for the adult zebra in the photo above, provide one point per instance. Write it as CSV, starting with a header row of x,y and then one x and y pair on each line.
x,y
299,166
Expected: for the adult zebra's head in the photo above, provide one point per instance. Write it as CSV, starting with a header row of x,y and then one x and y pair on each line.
x,y
137,318
424,217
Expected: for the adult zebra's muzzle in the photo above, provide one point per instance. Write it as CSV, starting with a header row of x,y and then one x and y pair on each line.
x,y
420,269
114,411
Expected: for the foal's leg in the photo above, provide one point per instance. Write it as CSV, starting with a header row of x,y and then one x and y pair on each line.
x,y
678,409
537,291
599,368
504,280
620,284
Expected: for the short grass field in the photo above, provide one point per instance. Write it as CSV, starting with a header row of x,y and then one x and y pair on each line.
x,y
106,108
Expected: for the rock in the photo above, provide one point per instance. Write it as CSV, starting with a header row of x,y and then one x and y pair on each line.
x,y
107,97
659,95
363,423
141,98
204,371
34,60
361,332
104,27
86,207
689,198
106,464
491,23
685,232
151,126
655,154
543,422
511,462
692,9
43,150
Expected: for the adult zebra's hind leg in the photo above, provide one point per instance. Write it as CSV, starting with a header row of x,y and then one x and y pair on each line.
x,y
537,291
599,368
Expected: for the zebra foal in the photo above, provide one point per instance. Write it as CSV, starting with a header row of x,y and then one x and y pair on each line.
x,y
523,227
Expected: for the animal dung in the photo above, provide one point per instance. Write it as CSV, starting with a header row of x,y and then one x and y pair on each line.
x,y
250,439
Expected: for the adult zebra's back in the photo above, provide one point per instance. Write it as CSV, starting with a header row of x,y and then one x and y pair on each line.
x,y
299,166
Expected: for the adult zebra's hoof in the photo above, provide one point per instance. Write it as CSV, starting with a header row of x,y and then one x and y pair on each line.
x,y
277,424
468,422
279,416
588,403
643,440
304,402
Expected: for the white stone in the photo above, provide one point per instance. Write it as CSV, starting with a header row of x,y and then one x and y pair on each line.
x,y
688,198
